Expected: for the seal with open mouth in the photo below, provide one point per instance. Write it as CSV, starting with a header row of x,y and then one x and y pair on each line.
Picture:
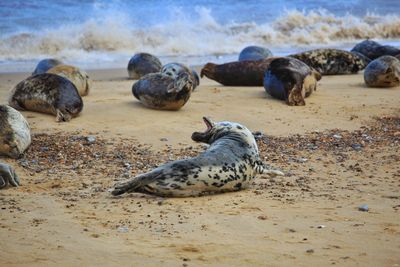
x,y
229,164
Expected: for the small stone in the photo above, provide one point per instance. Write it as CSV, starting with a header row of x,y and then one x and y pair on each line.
x,y
91,139
262,217
337,136
164,139
44,149
302,160
310,250
363,208
123,229
356,147
321,226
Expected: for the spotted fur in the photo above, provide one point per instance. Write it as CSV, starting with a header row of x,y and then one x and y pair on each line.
x,y
229,164
383,72
174,69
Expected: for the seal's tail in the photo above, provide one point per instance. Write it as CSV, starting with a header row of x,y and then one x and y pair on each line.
x,y
135,184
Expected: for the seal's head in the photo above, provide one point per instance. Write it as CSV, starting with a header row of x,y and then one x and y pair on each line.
x,y
208,70
218,130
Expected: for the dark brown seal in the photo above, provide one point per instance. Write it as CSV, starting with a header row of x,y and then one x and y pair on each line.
x,y
47,93
373,50
238,73
383,72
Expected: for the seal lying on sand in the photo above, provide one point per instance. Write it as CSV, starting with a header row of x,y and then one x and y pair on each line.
x,y
174,69
229,164
8,176
254,53
291,80
162,91
78,77
373,50
15,135
238,73
47,93
332,61
46,64
383,72
142,64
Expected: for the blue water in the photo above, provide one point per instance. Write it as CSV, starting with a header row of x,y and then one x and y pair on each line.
x,y
103,34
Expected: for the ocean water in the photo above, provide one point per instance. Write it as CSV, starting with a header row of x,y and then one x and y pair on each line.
x,y
105,34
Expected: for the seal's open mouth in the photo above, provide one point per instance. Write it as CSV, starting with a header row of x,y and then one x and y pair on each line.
x,y
204,136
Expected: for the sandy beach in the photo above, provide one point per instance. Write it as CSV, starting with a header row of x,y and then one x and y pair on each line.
x,y
338,152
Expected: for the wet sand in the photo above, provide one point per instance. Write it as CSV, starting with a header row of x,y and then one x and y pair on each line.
x,y
338,152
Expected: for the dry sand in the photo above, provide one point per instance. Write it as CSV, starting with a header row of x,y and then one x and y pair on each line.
x,y
335,153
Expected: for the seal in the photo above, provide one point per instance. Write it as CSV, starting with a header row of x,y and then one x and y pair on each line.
x,y
254,53
78,77
291,80
174,69
332,61
383,72
15,134
8,176
230,163
373,50
237,73
141,64
162,91
47,93
46,64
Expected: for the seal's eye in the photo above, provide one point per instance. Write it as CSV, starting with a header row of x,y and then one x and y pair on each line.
x,y
173,69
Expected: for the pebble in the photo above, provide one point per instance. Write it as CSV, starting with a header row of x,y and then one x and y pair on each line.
x,y
164,139
363,208
321,226
310,250
91,139
123,229
337,136
356,147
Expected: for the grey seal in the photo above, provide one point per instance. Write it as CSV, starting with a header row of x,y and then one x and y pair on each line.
x,y
383,72
8,176
46,64
333,61
291,80
230,163
162,91
373,49
254,52
141,64
77,76
15,134
174,69
47,93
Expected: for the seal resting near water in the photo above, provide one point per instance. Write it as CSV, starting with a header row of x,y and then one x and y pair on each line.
x,y
383,72
373,50
77,76
8,176
229,164
47,93
174,69
254,53
15,134
291,80
141,64
162,91
237,73
46,64
333,61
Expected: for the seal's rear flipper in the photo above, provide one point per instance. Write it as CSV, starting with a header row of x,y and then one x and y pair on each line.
x,y
136,183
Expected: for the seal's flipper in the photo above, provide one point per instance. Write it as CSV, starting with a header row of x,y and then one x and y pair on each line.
x,y
136,183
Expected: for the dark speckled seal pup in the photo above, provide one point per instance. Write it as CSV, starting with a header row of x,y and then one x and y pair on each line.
x,y
373,50
15,134
291,80
229,164
141,64
383,72
46,64
162,91
237,73
47,93
254,53
174,69
333,61
8,176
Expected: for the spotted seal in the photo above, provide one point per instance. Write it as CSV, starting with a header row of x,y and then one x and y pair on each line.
x,y
15,134
332,61
141,64
47,93
8,176
254,53
174,69
230,163
46,64
237,73
77,76
162,91
383,72
373,49
291,80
